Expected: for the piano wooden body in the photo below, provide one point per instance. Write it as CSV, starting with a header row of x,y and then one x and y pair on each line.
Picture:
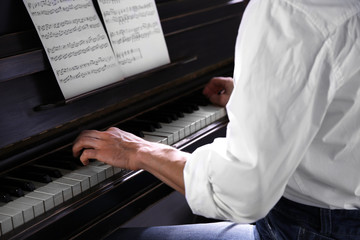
x,y
36,122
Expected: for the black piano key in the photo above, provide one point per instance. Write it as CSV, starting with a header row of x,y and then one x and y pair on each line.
x,y
14,191
179,107
137,125
67,155
51,172
171,115
23,184
163,115
178,114
132,130
190,104
145,121
68,165
156,117
62,160
5,197
198,99
35,176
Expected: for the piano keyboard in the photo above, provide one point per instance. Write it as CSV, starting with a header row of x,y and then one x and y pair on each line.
x,y
31,191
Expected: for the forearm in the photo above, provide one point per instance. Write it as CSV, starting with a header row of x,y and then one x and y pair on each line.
x,y
165,163
125,150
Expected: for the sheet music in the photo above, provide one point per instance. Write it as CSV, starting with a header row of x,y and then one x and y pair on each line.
x,y
77,46
135,33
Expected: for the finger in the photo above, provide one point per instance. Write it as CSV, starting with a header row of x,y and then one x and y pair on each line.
x,y
216,85
90,134
88,154
84,142
218,100
211,88
115,130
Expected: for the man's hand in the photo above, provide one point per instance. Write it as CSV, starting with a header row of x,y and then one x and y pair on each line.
x,y
125,150
114,146
219,89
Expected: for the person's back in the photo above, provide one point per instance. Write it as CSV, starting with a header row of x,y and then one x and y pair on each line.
x,y
294,113
328,173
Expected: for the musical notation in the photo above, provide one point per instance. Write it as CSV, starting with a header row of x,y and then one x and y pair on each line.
x,y
75,41
86,65
83,74
80,52
62,24
129,56
76,44
135,33
33,7
45,3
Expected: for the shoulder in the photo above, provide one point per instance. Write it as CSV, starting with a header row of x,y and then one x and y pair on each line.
x,y
326,15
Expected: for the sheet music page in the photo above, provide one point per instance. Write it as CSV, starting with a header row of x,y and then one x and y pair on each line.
x,y
135,33
76,43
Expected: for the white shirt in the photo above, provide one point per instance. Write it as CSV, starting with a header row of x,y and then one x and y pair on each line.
x,y
294,114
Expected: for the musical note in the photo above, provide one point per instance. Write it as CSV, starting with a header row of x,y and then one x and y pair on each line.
x,y
76,44
82,56
135,33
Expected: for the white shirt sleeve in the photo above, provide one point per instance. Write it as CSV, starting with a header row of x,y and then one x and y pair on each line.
x,y
283,85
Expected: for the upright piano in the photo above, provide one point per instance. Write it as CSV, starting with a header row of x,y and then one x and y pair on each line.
x,y
44,192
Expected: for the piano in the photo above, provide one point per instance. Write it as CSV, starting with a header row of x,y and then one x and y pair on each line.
x,y
44,192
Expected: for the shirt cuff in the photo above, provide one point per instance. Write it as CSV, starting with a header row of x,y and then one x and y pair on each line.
x,y
198,189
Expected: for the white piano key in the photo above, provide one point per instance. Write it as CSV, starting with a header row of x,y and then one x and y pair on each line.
x,y
15,214
198,119
37,205
5,224
75,185
168,127
109,170
99,171
186,126
47,199
60,192
92,175
158,133
219,111
222,112
65,189
173,137
27,210
151,138
174,130
210,111
118,170
82,179
56,194
205,115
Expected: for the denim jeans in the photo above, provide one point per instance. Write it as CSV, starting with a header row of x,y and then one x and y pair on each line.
x,y
290,220
286,221
206,231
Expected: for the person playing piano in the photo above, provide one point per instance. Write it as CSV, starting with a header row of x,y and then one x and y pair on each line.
x,y
290,161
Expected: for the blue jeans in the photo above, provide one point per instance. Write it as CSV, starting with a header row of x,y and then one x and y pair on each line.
x,y
206,231
286,221
290,220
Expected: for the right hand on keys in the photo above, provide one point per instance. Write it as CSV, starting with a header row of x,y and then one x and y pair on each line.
x,y
219,89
